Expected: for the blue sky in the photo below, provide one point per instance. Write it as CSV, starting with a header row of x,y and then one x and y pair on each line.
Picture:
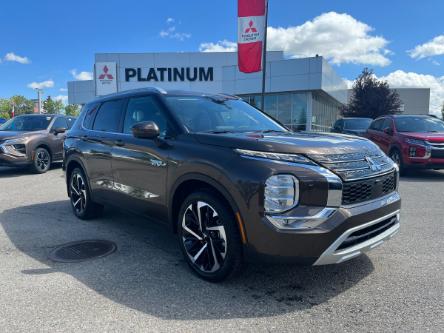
x,y
55,41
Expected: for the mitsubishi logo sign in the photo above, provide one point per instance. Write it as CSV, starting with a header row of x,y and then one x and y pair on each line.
x,y
250,28
105,74
373,165
105,77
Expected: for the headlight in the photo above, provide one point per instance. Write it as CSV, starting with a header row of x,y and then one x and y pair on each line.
x,y
281,193
294,158
17,141
416,142
15,147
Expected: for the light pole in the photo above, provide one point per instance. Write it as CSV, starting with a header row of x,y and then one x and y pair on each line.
x,y
39,99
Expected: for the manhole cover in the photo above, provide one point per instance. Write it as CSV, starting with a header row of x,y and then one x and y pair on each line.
x,y
82,250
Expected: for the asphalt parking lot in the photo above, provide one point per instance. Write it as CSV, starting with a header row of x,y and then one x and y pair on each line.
x,y
146,286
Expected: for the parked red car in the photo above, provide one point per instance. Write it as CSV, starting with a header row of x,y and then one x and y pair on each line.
x,y
412,141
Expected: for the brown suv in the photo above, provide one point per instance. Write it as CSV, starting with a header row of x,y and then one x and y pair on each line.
x,y
33,140
233,183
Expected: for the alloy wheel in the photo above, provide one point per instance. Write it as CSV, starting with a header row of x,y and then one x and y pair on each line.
x,y
78,193
204,237
42,159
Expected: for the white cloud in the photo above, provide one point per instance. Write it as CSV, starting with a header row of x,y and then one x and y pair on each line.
x,y
11,56
171,31
41,85
81,76
220,46
62,98
63,90
401,79
338,37
432,48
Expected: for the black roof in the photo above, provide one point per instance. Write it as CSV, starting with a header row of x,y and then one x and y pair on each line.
x,y
160,91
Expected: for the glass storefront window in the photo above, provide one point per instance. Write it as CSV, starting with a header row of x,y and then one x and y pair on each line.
x,y
284,109
271,105
299,111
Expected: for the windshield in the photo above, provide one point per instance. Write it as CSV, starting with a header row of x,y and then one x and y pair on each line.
x,y
205,114
419,124
357,124
26,123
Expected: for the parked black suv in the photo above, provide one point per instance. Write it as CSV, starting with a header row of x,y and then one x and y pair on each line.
x,y
232,182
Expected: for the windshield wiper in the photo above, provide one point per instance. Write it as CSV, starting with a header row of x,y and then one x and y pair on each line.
x,y
218,131
269,131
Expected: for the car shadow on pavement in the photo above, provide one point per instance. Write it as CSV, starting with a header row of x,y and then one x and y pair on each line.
x,y
147,272
423,175
9,172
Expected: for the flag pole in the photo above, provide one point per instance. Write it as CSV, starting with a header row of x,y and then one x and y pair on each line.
x,y
264,57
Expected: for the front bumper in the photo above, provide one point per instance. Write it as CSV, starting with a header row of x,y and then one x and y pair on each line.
x,y
330,242
11,160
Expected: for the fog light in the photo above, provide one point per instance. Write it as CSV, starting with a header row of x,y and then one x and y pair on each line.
x,y
281,193
412,151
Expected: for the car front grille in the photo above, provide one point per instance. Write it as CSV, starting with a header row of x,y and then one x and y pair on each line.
x,y
437,153
365,234
359,165
368,189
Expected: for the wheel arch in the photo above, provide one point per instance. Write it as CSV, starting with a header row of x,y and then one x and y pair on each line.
x,y
190,183
71,164
42,145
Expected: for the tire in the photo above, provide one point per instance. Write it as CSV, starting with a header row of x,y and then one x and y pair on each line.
x,y
212,248
42,160
80,196
396,157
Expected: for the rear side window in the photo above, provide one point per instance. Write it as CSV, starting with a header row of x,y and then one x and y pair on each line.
x,y
377,125
109,116
90,114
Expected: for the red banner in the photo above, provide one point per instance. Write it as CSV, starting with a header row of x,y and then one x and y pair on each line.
x,y
250,30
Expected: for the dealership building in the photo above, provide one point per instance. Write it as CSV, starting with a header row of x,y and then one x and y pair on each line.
x,y
302,93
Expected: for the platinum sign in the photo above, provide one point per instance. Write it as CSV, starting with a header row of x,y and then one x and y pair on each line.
x,y
169,74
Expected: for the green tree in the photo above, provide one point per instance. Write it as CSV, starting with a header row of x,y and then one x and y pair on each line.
x,y
72,110
5,108
21,105
371,98
52,106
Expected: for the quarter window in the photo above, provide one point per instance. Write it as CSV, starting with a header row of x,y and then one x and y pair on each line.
x,y
90,114
144,109
109,116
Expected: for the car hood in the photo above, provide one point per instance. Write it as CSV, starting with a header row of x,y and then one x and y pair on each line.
x,y
307,143
5,135
427,136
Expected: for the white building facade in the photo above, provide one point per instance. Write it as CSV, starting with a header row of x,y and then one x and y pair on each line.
x,y
301,93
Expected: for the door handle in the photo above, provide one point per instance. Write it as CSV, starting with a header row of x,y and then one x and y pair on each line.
x,y
119,143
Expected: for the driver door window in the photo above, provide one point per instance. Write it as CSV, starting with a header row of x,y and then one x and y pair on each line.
x,y
60,122
144,108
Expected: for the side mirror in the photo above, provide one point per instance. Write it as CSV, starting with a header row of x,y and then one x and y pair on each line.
x,y
388,131
146,130
59,130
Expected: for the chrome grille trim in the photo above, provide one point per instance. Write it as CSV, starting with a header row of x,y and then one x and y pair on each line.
x,y
356,166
